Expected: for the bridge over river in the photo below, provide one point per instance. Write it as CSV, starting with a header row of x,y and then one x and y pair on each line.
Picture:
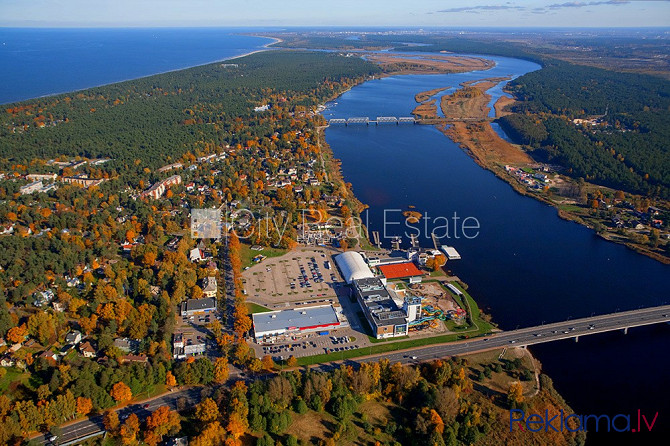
x,y
379,120
570,329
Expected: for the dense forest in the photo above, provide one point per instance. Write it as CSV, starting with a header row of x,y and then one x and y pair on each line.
x,y
418,43
622,144
165,115
371,404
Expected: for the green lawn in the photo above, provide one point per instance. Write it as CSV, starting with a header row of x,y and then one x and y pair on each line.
x,y
246,254
255,308
12,374
570,208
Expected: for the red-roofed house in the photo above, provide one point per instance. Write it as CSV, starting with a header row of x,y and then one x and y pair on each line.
x,y
405,270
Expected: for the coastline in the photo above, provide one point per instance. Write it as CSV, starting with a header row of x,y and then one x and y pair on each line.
x,y
563,214
265,47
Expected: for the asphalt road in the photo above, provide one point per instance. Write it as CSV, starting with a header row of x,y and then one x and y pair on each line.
x,y
533,335
514,338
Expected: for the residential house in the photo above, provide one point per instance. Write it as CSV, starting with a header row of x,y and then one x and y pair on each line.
x,y
49,356
196,255
43,297
134,358
209,286
73,337
127,345
87,350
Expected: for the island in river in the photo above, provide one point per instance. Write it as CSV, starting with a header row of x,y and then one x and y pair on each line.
x,y
466,119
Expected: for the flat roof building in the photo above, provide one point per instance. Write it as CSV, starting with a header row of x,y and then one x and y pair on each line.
x,y
381,312
185,344
299,320
352,266
198,306
405,270
451,252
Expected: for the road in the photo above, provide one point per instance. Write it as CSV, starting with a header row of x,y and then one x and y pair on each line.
x,y
514,338
532,335
94,425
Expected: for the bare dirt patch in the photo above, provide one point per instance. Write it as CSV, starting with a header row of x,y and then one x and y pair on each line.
x,y
398,64
425,95
309,427
501,106
433,294
484,144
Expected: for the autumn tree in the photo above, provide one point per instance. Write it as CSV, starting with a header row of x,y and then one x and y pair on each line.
x,y
221,370
110,420
207,411
170,380
268,363
236,426
84,405
17,334
213,434
436,421
121,392
163,421
129,429
515,394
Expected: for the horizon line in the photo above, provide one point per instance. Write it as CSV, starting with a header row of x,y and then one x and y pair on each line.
x,y
360,28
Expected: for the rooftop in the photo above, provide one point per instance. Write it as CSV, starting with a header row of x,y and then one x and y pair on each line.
x,y
400,270
200,304
302,318
352,266
378,302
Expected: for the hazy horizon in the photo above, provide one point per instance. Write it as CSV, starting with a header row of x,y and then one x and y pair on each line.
x,y
345,13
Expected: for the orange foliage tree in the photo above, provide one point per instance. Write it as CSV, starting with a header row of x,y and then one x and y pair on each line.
x,y
121,392
84,405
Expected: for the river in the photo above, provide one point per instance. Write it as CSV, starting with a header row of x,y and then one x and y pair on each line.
x,y
526,266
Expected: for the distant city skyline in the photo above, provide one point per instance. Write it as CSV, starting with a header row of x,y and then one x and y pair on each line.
x,y
272,13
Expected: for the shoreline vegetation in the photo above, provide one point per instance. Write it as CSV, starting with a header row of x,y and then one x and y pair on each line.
x,y
466,122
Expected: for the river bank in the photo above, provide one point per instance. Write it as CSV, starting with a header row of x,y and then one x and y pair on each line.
x,y
466,112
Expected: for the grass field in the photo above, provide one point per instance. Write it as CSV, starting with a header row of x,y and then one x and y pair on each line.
x,y
12,375
255,308
246,254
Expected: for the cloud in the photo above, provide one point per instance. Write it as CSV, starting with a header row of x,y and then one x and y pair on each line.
x,y
583,4
539,10
483,8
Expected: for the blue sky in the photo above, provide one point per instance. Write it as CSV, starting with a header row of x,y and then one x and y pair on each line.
x,y
450,13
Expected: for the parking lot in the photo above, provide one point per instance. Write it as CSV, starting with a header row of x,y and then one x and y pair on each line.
x,y
305,274
311,344
195,331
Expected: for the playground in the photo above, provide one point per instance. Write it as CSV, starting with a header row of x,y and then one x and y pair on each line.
x,y
437,306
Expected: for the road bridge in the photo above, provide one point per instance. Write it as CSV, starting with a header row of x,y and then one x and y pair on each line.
x,y
377,121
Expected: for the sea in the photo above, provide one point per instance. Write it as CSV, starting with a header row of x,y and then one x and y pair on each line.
x,y
38,62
